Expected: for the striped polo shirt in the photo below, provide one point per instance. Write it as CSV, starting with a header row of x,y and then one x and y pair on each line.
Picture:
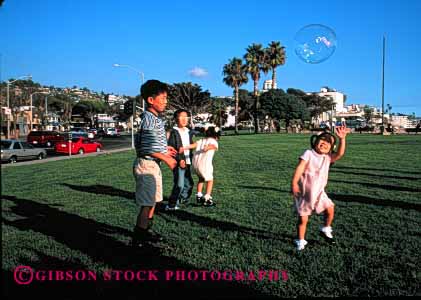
x,y
151,137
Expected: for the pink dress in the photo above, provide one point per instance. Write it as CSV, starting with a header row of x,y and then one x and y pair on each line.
x,y
312,184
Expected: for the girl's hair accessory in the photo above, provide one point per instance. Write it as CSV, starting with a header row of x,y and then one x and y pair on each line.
x,y
325,136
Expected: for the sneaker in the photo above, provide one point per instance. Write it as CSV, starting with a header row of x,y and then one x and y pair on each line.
x,y
326,233
172,207
209,203
200,200
300,244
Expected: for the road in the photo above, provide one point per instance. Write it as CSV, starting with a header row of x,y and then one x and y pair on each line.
x,y
109,144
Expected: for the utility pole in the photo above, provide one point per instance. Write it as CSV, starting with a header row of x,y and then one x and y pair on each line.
x,y
384,50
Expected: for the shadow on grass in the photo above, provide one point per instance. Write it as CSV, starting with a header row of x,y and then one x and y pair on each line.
x,y
374,175
374,201
102,189
181,215
223,225
380,186
376,169
93,238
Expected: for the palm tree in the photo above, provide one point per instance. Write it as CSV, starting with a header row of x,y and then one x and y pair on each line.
x,y
235,75
255,61
275,56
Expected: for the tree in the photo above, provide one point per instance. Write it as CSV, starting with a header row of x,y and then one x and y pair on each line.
x,y
255,61
275,56
218,110
235,75
188,96
89,108
316,104
368,114
282,106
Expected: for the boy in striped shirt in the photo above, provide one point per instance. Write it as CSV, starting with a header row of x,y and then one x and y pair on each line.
x,y
151,149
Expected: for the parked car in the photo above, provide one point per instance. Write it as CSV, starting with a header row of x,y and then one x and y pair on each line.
x,y
100,132
80,145
93,130
14,150
112,132
79,131
44,138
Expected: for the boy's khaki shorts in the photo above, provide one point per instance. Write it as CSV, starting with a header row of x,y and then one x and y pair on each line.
x,y
148,179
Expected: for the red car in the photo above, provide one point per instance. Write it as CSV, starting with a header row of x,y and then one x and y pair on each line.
x,y
80,145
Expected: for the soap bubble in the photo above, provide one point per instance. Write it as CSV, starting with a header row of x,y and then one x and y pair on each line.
x,y
315,43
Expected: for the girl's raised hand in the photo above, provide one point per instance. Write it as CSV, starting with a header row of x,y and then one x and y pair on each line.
x,y
342,131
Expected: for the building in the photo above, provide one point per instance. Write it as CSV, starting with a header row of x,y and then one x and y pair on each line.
x,y
104,121
267,85
403,121
113,99
338,107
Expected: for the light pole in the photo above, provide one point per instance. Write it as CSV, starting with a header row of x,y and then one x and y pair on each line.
x,y
134,102
8,99
384,50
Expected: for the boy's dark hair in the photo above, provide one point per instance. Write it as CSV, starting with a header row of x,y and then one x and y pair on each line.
x,y
212,132
325,136
152,88
179,111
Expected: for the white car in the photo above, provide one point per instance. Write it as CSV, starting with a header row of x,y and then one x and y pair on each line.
x,y
112,131
14,150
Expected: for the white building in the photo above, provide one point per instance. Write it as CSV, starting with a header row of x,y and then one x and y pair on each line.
x,y
105,121
403,122
338,105
113,99
267,85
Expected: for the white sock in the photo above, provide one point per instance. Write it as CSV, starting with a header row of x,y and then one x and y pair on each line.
x,y
199,194
207,197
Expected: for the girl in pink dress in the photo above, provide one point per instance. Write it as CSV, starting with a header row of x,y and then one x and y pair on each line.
x,y
309,181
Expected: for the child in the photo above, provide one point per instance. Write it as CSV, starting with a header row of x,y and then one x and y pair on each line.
x,y
180,136
202,163
151,149
310,179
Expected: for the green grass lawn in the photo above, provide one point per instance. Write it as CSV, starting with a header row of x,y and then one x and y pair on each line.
x,y
78,214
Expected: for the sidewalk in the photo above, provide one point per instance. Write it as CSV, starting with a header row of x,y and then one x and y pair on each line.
x,y
33,162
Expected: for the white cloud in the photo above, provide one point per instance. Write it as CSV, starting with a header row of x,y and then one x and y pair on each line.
x,y
198,72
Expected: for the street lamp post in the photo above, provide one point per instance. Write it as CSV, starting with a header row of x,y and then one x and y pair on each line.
x,y
8,83
134,102
384,50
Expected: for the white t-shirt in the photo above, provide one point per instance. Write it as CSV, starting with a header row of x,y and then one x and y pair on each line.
x,y
185,138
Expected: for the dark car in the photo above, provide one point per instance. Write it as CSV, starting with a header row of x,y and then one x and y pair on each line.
x,y
44,138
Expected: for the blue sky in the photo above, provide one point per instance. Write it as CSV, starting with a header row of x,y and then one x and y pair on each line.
x,y
75,42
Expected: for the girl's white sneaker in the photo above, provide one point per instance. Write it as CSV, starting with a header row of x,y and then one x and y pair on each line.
x,y
326,233
300,244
